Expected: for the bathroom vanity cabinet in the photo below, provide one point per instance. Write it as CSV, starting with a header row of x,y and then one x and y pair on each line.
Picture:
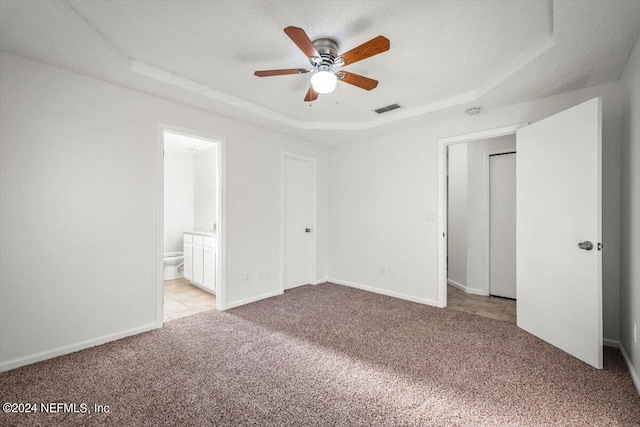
x,y
200,259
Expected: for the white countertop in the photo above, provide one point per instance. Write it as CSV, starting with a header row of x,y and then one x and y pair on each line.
x,y
202,233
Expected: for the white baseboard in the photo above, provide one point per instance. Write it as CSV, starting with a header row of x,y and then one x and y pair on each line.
x,y
632,370
457,285
634,374
253,299
203,288
384,292
611,343
318,281
474,291
49,354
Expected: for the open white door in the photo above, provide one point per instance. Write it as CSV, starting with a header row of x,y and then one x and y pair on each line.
x,y
558,207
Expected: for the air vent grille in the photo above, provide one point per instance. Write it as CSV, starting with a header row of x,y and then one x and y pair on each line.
x,y
388,108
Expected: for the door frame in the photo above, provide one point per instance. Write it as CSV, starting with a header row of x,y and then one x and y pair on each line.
x,y
443,144
487,209
284,155
221,228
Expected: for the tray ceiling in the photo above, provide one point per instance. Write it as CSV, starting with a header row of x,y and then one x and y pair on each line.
x,y
444,57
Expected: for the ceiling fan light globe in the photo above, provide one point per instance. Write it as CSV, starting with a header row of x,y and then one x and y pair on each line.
x,y
324,81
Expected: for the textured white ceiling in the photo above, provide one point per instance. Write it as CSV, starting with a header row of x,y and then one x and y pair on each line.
x,y
445,55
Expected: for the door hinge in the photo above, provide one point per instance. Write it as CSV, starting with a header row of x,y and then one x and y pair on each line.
x,y
600,246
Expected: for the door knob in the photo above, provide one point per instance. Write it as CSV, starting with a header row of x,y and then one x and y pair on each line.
x,y
307,230
586,245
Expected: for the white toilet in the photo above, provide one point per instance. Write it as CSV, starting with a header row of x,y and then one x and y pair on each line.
x,y
173,262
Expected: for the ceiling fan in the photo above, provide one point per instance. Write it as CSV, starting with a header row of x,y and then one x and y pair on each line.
x,y
323,56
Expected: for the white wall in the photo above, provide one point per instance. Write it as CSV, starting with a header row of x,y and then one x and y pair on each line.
x,y
79,208
477,216
204,189
457,215
178,198
79,177
630,210
382,188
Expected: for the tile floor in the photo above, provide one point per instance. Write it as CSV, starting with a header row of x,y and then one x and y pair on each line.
x,y
493,307
182,299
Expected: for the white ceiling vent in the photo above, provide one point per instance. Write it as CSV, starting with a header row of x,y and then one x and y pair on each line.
x,y
387,108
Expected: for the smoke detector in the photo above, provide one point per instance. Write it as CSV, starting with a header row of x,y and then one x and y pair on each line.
x,y
473,111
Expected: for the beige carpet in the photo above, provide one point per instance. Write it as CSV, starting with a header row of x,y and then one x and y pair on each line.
x,y
328,355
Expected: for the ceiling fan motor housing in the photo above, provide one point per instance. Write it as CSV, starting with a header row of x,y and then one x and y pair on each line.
x,y
328,50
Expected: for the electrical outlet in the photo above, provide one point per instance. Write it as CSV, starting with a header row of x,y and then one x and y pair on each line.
x,y
383,271
247,277
392,272
635,332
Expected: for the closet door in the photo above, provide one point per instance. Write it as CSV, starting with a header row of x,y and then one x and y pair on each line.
x,y
502,225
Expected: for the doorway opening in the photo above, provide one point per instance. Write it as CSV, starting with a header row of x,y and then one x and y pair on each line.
x,y
468,166
559,216
191,224
481,227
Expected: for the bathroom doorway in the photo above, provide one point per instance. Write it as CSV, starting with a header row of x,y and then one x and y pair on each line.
x,y
191,226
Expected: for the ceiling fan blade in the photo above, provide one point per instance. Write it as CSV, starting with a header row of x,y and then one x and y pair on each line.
x,y
312,95
303,41
366,50
267,73
358,80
